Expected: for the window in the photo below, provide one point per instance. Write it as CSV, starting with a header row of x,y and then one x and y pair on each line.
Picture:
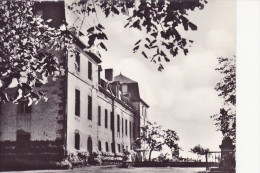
x,y
122,126
113,147
99,115
124,88
118,123
107,147
77,141
24,108
89,145
119,148
77,65
112,121
126,127
99,146
133,128
90,70
106,118
89,107
77,102
130,129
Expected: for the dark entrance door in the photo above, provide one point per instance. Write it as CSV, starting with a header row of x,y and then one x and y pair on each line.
x,y
90,160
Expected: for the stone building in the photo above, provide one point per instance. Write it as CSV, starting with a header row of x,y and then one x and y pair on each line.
x,y
84,113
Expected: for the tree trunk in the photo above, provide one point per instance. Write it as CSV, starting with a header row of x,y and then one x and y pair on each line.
x,y
150,154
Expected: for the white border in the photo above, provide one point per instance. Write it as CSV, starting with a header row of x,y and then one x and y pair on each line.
x,y
248,80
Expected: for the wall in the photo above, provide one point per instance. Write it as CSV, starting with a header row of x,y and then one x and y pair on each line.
x,y
79,80
105,134
46,123
122,138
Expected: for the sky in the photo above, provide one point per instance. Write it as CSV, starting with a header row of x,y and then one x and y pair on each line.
x,y
182,96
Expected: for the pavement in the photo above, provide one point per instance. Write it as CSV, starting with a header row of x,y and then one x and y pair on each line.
x,y
115,169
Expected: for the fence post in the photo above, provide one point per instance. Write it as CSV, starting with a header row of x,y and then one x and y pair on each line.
x,y
207,166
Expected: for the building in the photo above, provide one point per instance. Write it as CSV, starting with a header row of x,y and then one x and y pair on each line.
x,y
84,113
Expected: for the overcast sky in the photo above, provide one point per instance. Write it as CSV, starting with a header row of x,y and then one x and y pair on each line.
x,y
182,97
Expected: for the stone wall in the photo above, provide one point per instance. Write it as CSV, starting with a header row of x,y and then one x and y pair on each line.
x,y
45,125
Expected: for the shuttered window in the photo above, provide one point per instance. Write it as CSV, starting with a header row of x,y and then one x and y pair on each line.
x,y
77,102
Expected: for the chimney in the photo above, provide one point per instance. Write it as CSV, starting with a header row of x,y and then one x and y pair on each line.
x,y
109,74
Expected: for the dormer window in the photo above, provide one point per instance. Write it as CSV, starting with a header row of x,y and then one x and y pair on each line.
x,y
124,88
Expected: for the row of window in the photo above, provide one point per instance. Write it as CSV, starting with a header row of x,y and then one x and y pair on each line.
x,y
77,113
77,59
131,125
77,104
89,145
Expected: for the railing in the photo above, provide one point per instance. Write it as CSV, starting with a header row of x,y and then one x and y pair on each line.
x,y
212,157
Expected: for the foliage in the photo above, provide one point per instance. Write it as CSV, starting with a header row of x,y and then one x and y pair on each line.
x,y
76,159
199,150
97,158
162,158
161,19
153,137
171,138
226,119
26,61
27,50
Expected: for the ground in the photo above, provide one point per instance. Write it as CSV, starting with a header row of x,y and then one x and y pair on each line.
x,y
113,169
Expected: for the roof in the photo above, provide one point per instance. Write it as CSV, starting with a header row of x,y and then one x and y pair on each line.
x,y
79,43
133,87
123,79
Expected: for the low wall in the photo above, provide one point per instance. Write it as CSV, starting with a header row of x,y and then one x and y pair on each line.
x,y
175,164
33,155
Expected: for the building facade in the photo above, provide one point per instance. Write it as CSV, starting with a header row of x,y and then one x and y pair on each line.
x,y
84,113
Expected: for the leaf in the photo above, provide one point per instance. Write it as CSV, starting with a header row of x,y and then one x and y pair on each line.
x,y
154,34
174,52
138,42
185,22
160,68
136,24
91,40
49,20
153,41
146,46
162,53
103,46
107,11
101,36
166,59
100,26
185,51
81,34
192,26
115,10
91,29
126,25
135,49
148,40
144,55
